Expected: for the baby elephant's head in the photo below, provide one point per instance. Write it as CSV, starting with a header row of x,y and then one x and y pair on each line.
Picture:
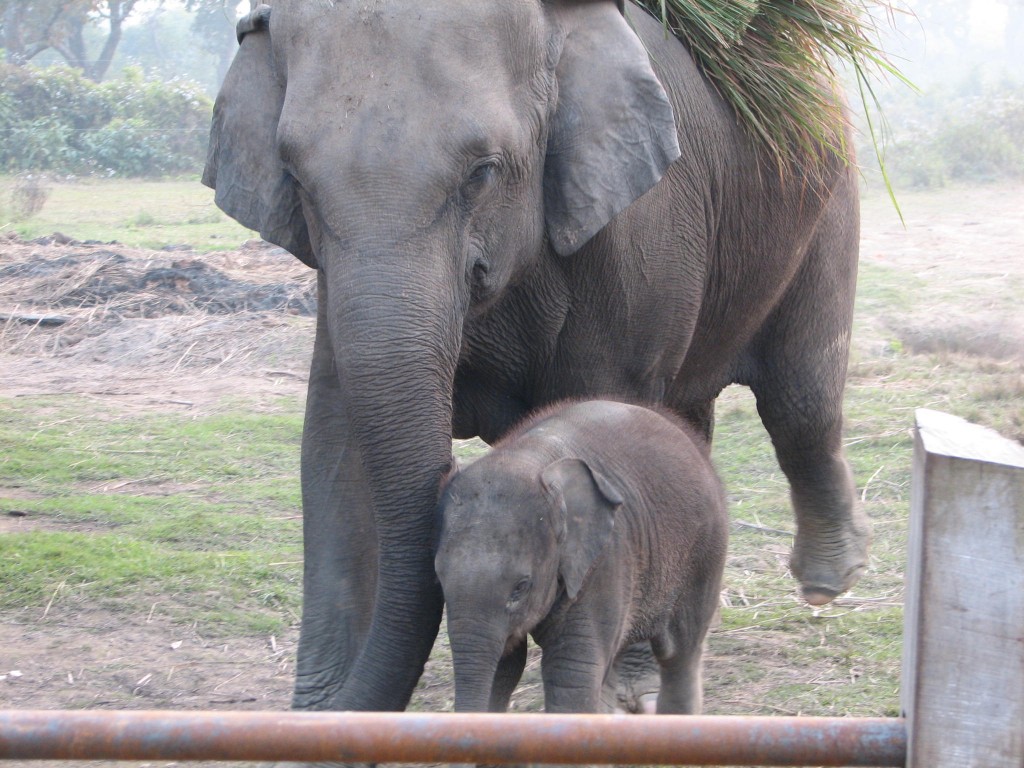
x,y
512,534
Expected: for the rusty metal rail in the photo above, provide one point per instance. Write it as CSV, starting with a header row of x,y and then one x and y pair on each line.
x,y
438,737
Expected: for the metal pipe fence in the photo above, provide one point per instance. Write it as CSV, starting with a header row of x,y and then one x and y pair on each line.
x,y
410,737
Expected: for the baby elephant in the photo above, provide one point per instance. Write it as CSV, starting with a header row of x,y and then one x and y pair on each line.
x,y
593,526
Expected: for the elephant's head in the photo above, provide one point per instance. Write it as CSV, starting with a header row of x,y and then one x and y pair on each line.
x,y
420,155
514,537
489,120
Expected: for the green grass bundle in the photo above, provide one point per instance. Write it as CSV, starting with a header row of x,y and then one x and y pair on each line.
x,y
777,63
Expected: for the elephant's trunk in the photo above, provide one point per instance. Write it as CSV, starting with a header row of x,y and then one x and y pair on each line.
x,y
477,648
395,337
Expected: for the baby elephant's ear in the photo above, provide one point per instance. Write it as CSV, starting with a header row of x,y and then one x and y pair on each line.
x,y
585,502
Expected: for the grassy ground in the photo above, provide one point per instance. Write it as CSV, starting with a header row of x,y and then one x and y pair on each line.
x,y
140,505
135,213
225,481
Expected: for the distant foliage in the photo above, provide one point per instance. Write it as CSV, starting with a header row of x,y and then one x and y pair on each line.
x,y
56,120
971,134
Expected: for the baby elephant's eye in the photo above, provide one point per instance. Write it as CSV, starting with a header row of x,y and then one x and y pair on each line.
x,y
520,590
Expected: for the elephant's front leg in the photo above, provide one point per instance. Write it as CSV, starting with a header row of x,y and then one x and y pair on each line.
x,y
574,670
507,677
573,673
339,540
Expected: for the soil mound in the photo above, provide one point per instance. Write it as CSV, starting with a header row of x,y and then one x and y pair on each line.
x,y
110,304
78,276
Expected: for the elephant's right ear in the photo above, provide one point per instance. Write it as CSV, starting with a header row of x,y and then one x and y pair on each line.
x,y
242,162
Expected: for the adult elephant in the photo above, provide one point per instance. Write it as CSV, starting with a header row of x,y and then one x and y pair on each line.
x,y
510,203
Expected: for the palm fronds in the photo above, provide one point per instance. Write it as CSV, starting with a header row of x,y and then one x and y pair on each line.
x,y
775,62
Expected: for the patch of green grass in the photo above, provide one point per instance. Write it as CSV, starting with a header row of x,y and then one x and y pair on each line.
x,y
142,219
109,565
858,655
884,288
185,522
228,590
54,446
743,453
176,212
198,513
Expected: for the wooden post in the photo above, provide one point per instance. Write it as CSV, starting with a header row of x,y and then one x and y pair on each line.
x,y
963,648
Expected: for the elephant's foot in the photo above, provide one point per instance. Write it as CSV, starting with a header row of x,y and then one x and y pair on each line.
x,y
647,704
829,560
633,687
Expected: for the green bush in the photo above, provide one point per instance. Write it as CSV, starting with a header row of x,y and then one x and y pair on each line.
x,y
60,93
978,150
131,147
177,108
43,144
972,134
58,121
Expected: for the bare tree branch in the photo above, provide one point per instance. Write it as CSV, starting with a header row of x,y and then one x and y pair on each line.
x,y
28,28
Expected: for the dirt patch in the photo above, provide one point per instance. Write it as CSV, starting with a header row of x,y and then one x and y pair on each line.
x,y
86,659
82,659
13,520
71,275
964,248
74,316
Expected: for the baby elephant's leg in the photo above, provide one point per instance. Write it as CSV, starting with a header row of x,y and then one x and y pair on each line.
x,y
506,678
681,684
679,652
573,676
632,685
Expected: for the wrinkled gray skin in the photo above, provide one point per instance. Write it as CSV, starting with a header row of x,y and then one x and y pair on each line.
x,y
508,206
593,527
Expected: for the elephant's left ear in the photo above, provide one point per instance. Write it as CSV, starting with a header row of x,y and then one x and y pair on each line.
x,y
613,133
585,503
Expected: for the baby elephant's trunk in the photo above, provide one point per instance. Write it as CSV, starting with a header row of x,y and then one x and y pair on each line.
x,y
477,645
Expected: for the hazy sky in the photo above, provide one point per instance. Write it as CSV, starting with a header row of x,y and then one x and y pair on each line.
x,y
987,20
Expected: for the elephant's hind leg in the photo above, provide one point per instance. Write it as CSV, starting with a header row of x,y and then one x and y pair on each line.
x,y
679,655
799,378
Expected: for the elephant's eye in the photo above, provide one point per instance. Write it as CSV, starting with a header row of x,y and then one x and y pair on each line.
x,y
480,177
519,591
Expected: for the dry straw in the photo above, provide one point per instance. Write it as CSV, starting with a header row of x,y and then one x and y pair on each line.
x,y
778,64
